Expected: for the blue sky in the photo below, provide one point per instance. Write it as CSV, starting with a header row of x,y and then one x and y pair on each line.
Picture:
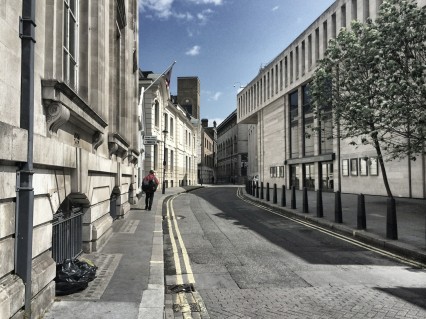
x,y
223,42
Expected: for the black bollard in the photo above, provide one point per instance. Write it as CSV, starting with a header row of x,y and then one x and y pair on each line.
x,y
338,218
267,192
257,189
261,190
293,197
320,212
391,223
305,200
274,195
361,217
283,201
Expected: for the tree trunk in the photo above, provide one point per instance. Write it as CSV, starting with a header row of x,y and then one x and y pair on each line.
x,y
382,167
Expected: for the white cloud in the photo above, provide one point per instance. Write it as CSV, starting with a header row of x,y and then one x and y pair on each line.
x,y
203,15
195,50
275,8
162,8
216,96
215,2
184,16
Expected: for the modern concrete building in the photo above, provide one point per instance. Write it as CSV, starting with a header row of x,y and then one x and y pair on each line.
x,y
68,137
168,133
232,151
276,105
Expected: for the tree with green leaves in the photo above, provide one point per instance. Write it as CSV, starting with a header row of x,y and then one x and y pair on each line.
x,y
373,76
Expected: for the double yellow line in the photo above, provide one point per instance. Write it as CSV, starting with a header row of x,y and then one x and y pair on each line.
x,y
177,253
355,242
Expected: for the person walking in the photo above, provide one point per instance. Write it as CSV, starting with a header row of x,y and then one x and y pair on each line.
x,y
149,186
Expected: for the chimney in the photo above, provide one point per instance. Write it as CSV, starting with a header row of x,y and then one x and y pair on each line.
x,y
204,122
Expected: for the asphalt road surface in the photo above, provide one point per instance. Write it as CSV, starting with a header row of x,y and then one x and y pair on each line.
x,y
246,262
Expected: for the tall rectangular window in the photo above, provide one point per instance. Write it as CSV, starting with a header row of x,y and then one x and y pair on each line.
x,y
70,42
333,26
309,51
343,16
286,71
354,10
294,125
276,78
291,66
366,10
317,44
303,57
308,122
281,75
297,62
324,36
272,82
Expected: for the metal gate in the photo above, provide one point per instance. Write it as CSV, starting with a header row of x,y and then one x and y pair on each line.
x,y
67,234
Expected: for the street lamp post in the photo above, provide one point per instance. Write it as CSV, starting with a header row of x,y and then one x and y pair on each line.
x,y
164,162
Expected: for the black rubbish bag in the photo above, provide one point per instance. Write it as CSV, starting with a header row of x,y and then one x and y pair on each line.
x,y
73,275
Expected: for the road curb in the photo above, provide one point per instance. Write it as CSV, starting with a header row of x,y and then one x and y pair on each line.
x,y
406,250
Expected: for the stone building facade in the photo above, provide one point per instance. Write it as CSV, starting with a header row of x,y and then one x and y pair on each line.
x,y
232,151
276,105
208,160
170,136
80,139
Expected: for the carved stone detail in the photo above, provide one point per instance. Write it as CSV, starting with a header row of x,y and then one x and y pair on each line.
x,y
97,139
57,115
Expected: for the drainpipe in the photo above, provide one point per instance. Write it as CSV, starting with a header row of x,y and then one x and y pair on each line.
x,y
24,176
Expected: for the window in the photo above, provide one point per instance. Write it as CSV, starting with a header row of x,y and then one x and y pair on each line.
x,y
333,26
324,36
297,62
157,113
171,127
343,16
345,167
363,166
291,67
70,42
354,10
281,171
309,175
317,42
372,166
303,57
354,167
366,10
294,125
308,122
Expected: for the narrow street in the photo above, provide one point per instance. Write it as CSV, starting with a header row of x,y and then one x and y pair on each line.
x,y
246,262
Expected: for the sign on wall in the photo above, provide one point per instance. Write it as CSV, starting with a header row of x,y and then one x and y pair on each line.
x,y
150,140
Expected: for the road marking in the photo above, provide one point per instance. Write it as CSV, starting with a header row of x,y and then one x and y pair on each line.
x,y
335,235
182,245
179,280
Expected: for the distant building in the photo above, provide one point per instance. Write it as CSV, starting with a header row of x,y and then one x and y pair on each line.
x,y
168,133
232,156
207,163
188,95
276,106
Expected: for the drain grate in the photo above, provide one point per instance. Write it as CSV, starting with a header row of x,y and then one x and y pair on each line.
x,y
174,289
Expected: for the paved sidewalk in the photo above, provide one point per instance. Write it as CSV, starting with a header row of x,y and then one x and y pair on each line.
x,y
130,275
411,218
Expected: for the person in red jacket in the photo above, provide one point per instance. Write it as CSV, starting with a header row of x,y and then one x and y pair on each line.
x,y
149,186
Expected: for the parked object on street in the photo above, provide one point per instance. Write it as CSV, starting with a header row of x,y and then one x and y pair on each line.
x,y
73,275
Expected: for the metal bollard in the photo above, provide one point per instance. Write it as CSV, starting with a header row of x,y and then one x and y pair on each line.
x,y
274,194
338,218
267,192
257,189
283,199
361,217
261,190
293,197
320,211
305,200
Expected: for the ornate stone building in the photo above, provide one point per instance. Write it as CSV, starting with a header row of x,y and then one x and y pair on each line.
x,y
68,137
276,105
168,133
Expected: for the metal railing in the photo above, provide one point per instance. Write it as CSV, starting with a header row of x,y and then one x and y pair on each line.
x,y
67,234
